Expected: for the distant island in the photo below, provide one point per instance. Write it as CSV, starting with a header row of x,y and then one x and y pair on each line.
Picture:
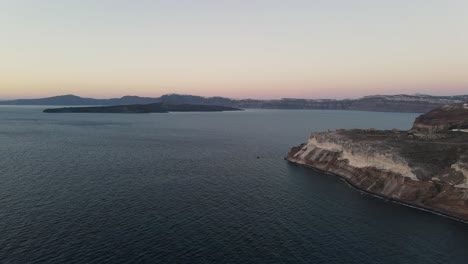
x,y
425,167
417,103
143,108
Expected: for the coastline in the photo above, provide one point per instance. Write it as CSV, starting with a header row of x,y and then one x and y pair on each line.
x,y
379,195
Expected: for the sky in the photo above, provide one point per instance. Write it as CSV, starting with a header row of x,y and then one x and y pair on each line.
x,y
239,48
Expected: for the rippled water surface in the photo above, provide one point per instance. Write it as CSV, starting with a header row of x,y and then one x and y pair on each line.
x,y
188,188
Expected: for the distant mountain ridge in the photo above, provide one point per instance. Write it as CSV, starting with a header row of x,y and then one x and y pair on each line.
x,y
70,99
383,103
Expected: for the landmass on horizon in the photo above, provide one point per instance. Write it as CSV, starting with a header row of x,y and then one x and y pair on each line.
x,y
419,103
143,108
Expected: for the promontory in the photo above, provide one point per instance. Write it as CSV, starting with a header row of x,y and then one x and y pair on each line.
x,y
425,167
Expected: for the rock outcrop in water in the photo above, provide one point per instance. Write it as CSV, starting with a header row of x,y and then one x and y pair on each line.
x,y
426,167
143,108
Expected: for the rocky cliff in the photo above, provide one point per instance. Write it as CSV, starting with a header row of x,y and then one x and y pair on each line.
x,y
426,167
448,117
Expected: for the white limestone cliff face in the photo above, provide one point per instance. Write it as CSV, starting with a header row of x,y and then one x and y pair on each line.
x,y
462,167
359,155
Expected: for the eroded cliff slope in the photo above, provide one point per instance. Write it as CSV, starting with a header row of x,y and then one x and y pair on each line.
x,y
426,167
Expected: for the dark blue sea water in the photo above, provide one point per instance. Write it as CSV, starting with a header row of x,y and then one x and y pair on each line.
x,y
188,188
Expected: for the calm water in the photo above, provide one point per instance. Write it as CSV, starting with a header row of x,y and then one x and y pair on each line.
x,y
188,188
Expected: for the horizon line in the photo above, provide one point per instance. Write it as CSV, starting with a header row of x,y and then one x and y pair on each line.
x,y
232,98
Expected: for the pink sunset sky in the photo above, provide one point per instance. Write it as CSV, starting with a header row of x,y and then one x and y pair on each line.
x,y
239,49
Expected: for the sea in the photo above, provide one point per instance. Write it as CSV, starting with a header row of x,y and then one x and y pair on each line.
x,y
198,188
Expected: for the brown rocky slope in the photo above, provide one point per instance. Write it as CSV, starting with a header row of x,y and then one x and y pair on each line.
x,y
426,167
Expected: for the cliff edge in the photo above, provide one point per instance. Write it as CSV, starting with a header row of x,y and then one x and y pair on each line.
x,y
426,167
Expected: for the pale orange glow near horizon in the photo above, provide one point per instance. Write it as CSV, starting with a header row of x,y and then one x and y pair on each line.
x,y
243,49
